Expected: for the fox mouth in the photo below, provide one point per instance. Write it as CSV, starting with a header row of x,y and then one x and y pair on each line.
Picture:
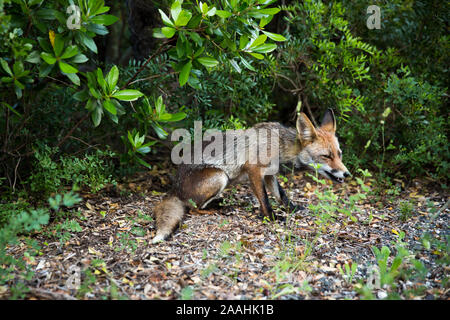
x,y
333,177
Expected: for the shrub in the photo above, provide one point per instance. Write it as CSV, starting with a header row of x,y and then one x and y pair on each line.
x,y
93,171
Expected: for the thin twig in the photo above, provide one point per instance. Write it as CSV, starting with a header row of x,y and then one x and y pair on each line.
x,y
15,175
45,294
310,112
153,77
160,50
441,210
73,129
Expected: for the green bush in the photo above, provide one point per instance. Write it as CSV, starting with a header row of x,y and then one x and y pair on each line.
x,y
16,270
230,64
93,171
393,116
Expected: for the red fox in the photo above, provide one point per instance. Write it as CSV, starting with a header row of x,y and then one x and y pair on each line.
x,y
196,185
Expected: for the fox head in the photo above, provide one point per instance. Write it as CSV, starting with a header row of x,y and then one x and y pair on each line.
x,y
320,146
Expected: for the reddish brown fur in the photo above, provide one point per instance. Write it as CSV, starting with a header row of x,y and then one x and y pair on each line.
x,y
197,185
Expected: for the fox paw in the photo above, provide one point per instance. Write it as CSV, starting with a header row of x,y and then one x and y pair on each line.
x,y
295,207
158,238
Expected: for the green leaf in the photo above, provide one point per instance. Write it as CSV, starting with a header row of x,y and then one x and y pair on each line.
x,y
247,64
45,44
264,21
159,106
47,57
143,150
88,42
204,8
102,9
6,67
112,77
211,12
235,66
70,52
175,10
145,164
243,41
223,14
197,38
79,58
33,57
96,115
18,68
208,61
270,11
158,34
94,6
47,14
11,108
17,89
95,93
74,78
166,19
67,68
257,55
127,95
45,69
168,32
180,47
81,96
199,52
265,48
59,45
108,105
258,41
120,109
183,18
167,117
105,19
101,81
184,73
19,84
97,28
275,36
162,134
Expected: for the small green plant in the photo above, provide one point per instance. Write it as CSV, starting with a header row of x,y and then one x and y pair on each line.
x,y
15,271
405,210
389,269
350,270
126,242
330,204
187,293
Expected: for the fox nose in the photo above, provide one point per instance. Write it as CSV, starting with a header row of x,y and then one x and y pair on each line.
x,y
347,174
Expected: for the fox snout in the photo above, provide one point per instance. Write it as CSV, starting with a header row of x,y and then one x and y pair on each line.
x,y
337,175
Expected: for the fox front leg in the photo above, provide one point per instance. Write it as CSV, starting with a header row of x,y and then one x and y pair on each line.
x,y
258,185
275,188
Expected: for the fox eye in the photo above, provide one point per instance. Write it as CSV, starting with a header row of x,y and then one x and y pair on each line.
x,y
327,156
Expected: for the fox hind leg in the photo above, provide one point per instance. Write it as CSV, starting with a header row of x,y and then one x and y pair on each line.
x,y
199,187
202,186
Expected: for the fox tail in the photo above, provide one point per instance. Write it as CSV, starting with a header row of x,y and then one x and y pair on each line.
x,y
168,214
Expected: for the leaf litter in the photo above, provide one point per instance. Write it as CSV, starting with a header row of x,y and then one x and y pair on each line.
x,y
227,252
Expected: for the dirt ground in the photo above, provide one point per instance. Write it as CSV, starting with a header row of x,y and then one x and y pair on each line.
x,y
228,252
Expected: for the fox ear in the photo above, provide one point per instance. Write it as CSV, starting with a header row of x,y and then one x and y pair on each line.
x,y
305,129
328,121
